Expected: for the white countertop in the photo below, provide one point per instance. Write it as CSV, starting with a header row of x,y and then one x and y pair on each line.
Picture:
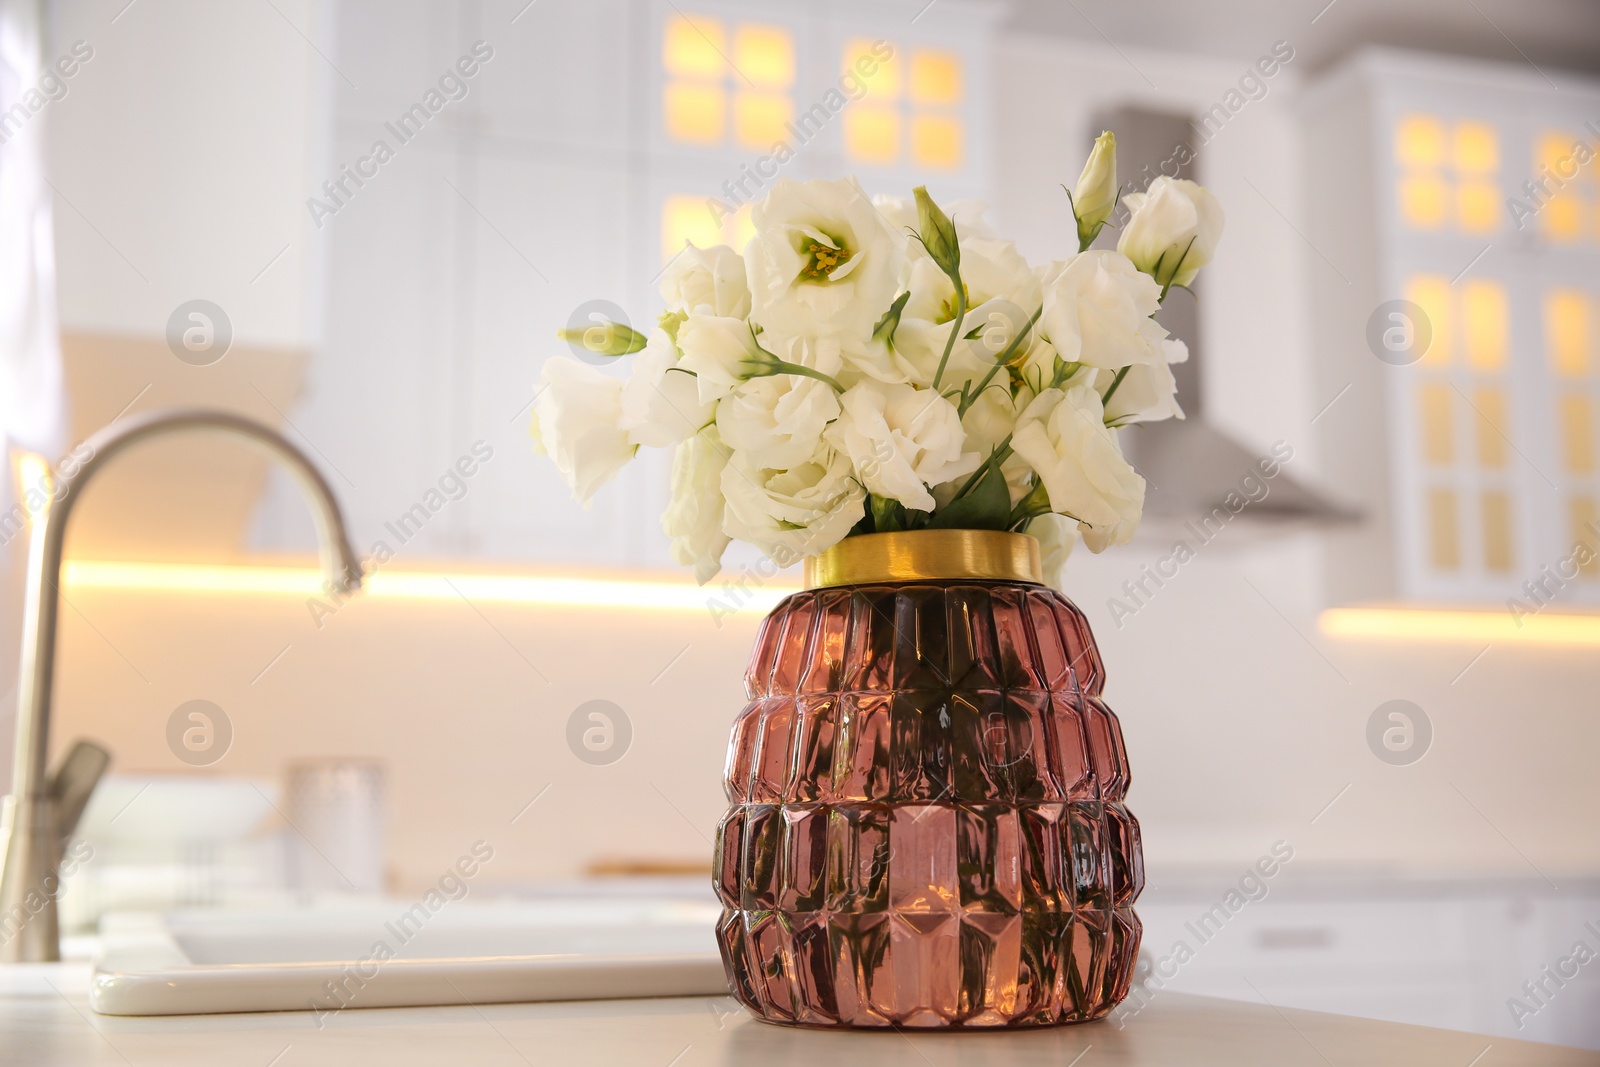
x,y
45,1021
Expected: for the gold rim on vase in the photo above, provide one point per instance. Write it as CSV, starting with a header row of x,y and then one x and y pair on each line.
x,y
927,555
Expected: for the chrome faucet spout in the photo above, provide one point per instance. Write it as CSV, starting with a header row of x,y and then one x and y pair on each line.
x,y
29,930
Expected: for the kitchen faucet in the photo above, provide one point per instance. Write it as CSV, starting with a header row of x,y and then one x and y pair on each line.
x,y
41,812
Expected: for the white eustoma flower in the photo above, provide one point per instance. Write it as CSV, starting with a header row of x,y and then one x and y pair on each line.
x,y
823,261
1173,229
577,422
1058,536
794,513
1097,309
868,358
710,281
902,440
694,515
778,420
719,351
660,400
1063,436
1147,392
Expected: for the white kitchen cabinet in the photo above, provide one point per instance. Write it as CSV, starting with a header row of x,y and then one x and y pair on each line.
x,y
1442,954
1458,327
557,179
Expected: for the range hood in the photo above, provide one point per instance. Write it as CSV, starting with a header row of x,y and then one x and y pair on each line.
x,y
1191,468
1190,465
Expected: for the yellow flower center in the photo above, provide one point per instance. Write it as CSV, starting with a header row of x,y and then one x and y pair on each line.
x,y
821,260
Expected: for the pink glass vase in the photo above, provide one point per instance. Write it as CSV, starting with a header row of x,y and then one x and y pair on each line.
x,y
926,823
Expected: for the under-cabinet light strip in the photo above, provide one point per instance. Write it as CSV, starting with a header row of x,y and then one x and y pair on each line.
x,y
1359,623
1486,627
420,585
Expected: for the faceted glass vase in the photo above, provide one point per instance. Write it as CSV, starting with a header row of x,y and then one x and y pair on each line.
x,y
926,823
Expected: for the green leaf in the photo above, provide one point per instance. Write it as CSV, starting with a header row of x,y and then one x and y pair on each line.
x,y
888,515
987,506
890,322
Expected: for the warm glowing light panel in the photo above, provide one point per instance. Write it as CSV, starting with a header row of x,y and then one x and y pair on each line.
x,y
740,89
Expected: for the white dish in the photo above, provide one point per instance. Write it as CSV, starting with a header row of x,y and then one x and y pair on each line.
x,y
398,954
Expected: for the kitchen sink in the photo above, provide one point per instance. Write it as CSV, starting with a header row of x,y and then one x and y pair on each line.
x,y
398,953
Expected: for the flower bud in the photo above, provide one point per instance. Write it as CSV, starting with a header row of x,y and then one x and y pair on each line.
x,y
1172,230
938,235
670,321
606,338
1096,194
890,322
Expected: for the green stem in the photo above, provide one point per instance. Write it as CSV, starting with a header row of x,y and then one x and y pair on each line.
x,y
955,329
1083,243
1002,360
1121,374
779,366
1020,517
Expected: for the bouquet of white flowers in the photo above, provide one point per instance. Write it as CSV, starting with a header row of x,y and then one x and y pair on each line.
x,y
873,364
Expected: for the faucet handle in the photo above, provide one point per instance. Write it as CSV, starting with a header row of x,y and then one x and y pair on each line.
x,y
73,783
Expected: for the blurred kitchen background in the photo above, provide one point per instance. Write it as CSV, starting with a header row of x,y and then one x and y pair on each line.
x,y
1385,663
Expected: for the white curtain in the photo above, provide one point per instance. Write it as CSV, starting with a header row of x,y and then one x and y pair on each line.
x,y
32,413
